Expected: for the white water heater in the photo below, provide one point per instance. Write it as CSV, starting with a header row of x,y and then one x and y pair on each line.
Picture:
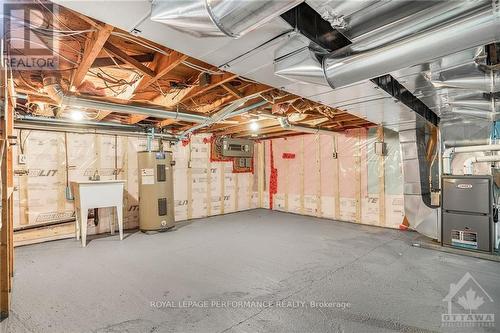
x,y
156,190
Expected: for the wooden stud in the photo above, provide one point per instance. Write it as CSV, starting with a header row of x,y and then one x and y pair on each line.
x,y
236,191
287,185
261,171
336,177
357,170
301,175
209,183
7,175
190,184
319,208
381,180
222,189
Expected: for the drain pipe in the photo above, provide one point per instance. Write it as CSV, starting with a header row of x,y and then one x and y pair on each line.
x,y
449,153
469,163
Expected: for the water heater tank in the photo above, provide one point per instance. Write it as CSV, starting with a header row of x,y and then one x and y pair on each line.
x,y
156,190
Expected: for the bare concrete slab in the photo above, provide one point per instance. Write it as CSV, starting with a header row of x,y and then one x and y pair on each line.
x,y
254,271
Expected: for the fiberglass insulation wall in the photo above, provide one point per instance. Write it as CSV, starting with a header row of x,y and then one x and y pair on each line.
x,y
310,181
40,184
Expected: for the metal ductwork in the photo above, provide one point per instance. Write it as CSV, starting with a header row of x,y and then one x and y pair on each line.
x,y
52,87
488,82
303,65
227,112
478,28
285,124
421,215
54,90
218,18
480,104
131,108
352,63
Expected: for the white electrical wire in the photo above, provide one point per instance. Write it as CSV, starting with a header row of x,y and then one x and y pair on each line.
x,y
141,43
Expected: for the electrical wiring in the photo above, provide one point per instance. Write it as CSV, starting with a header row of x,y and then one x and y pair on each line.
x,y
139,42
201,69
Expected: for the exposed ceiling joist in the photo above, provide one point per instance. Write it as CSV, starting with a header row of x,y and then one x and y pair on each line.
x,y
92,49
232,90
166,122
128,59
161,65
107,61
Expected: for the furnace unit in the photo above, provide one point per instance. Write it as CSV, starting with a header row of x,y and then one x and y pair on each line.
x,y
156,190
467,212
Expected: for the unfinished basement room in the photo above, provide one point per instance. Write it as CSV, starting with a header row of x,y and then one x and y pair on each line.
x,y
241,166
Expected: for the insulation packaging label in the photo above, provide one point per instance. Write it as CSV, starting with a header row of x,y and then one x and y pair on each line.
x,y
148,176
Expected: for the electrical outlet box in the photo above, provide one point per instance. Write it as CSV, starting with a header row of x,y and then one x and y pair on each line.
x,y
380,148
22,159
335,155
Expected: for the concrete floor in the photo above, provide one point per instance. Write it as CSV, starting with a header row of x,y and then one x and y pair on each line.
x,y
256,255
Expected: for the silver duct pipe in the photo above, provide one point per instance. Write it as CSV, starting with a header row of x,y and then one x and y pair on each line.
x,y
479,104
489,82
417,196
476,29
402,21
63,125
54,90
216,18
493,116
407,19
80,123
285,124
303,66
149,110
227,112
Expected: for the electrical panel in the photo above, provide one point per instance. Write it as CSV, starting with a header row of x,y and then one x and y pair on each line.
x,y
237,147
238,151
156,190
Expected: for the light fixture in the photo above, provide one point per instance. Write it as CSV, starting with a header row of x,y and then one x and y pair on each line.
x,y
76,115
254,126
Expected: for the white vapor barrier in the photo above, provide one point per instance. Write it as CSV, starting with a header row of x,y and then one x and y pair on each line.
x,y
337,177
52,159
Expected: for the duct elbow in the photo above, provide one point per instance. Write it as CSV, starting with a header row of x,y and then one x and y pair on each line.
x,y
221,18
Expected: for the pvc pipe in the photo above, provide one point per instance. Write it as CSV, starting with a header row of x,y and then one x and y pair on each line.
x,y
469,163
449,153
